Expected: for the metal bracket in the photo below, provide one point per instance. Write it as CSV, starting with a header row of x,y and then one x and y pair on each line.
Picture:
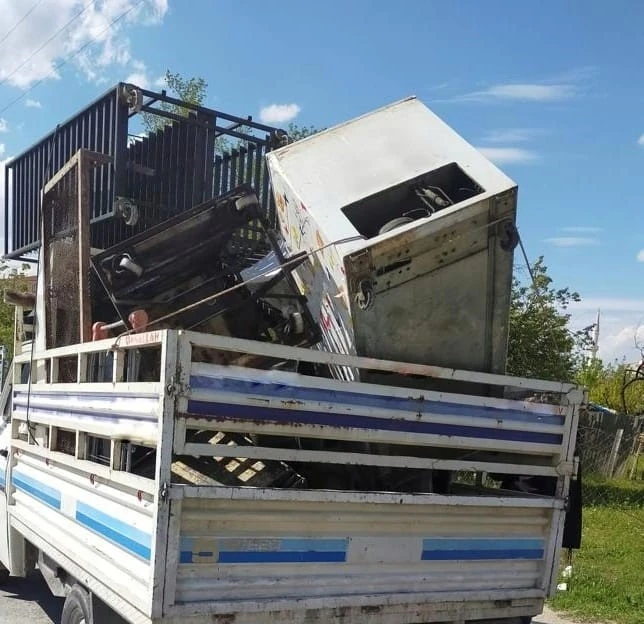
x,y
132,96
509,235
365,295
565,468
175,388
127,210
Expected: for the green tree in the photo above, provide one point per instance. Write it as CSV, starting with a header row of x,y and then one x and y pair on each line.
x,y
296,132
13,278
191,90
618,385
541,343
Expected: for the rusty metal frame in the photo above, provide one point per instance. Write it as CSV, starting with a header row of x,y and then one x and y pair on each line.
x,y
84,161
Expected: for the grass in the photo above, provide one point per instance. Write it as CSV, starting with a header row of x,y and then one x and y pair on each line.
x,y
608,572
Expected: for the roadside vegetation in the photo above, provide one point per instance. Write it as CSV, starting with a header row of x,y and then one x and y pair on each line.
x,y
607,583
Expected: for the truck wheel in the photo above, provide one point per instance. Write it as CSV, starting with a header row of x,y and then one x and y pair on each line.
x,y
4,575
76,609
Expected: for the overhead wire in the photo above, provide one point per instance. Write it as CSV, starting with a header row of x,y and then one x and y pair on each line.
x,y
73,55
20,21
537,291
47,42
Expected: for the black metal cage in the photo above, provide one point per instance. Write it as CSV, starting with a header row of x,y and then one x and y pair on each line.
x,y
193,155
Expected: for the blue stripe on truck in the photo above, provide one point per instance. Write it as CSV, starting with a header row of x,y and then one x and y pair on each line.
x,y
122,534
264,550
325,395
301,417
282,557
34,488
469,549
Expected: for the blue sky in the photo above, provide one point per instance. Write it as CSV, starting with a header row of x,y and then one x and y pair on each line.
x,y
551,91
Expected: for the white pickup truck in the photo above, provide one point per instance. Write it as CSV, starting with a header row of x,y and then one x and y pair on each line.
x,y
292,438
103,485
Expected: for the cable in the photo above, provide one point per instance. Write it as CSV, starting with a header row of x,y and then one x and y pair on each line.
x,y
536,288
47,42
21,20
296,260
73,55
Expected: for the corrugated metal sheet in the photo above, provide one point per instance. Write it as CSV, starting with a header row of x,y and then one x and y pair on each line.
x,y
271,549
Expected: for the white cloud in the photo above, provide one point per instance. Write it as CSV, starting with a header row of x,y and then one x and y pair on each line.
x,y
640,141
29,103
507,155
621,321
615,304
524,92
510,135
571,241
582,229
160,82
3,125
640,255
110,45
279,113
2,151
138,79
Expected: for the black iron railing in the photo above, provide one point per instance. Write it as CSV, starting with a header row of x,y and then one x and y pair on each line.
x,y
188,159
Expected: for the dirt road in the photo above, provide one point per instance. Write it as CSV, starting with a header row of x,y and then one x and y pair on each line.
x,y
29,601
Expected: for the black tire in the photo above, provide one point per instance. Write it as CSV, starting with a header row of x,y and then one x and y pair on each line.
x,y
77,607
4,575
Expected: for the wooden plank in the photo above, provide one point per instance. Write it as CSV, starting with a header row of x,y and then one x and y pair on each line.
x,y
62,172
